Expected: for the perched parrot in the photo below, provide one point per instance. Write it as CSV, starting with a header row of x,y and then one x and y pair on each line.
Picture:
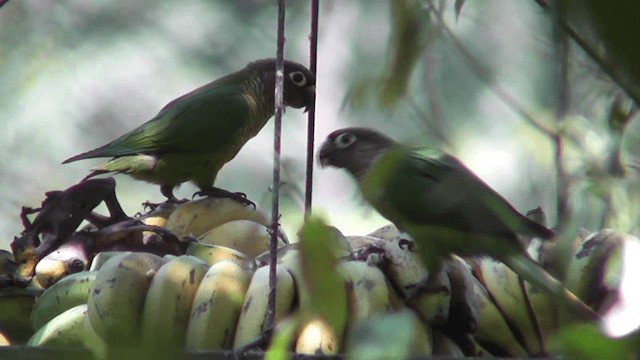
x,y
442,204
193,136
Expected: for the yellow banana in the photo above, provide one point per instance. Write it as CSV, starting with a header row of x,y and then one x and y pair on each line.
x,y
217,305
4,339
118,294
199,216
167,306
317,337
157,217
368,292
212,254
71,291
246,236
252,319
66,329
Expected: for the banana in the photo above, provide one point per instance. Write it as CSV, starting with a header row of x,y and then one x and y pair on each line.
x,y
316,337
252,319
66,329
586,271
217,305
71,291
157,217
367,290
246,236
100,258
492,331
4,339
15,307
199,216
506,290
544,308
386,232
7,267
429,294
118,294
167,306
92,341
212,254
444,346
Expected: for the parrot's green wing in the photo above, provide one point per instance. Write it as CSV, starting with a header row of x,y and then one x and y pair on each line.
x,y
432,187
206,120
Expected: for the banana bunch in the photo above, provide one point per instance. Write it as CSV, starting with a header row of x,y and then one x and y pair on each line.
x,y
215,296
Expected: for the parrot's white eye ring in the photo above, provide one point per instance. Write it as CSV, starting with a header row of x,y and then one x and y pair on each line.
x,y
298,78
344,140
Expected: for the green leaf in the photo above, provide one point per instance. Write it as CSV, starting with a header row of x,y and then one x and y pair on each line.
x,y
587,342
409,24
326,286
283,336
381,337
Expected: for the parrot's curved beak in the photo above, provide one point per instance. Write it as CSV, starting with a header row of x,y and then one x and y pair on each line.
x,y
324,157
309,98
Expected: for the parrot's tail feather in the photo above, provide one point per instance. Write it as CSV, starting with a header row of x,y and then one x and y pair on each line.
x,y
95,173
533,273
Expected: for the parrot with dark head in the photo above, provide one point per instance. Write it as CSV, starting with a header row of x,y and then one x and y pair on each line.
x,y
193,136
442,204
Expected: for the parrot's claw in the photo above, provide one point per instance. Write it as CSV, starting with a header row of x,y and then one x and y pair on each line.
x,y
222,193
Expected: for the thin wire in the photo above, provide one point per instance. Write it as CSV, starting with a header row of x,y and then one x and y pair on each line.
x,y
311,121
275,207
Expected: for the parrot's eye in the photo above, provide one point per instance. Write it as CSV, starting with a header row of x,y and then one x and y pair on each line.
x,y
344,140
298,78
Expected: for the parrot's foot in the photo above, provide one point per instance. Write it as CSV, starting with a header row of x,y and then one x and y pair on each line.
x,y
150,206
222,193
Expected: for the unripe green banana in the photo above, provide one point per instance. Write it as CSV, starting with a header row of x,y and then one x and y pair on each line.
x,y
100,258
492,331
92,341
168,302
506,289
196,217
212,254
444,346
216,306
586,274
118,294
65,330
70,291
16,305
252,319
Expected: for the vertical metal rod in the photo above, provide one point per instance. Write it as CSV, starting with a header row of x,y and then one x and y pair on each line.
x,y
311,122
275,208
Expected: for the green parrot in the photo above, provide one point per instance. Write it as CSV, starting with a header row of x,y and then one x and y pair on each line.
x,y
441,204
193,136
